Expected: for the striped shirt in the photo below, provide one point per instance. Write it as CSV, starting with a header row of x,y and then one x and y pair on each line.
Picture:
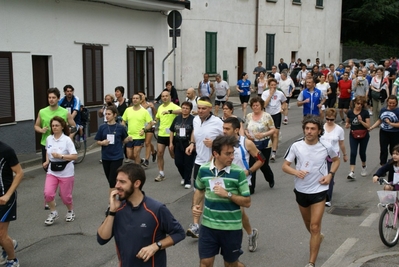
x,y
222,213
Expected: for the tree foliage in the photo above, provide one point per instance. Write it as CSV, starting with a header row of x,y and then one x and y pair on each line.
x,y
370,21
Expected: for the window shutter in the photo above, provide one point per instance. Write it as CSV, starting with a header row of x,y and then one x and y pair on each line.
x,y
269,50
131,59
210,52
93,75
150,73
7,114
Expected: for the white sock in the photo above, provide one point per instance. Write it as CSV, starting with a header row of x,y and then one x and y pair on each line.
x,y
162,173
285,118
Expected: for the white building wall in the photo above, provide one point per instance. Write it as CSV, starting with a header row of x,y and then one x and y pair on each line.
x,y
310,31
50,28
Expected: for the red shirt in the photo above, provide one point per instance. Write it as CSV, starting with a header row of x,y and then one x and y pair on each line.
x,y
345,88
325,72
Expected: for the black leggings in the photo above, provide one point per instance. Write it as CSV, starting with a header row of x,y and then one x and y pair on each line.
x,y
387,139
266,170
362,144
110,167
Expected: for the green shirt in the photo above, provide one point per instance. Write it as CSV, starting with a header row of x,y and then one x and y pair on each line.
x,y
165,121
222,213
136,121
46,114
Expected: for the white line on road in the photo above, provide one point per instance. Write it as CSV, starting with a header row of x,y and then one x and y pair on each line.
x,y
339,254
370,219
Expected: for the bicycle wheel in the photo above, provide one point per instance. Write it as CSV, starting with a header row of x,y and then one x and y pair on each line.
x,y
80,146
388,231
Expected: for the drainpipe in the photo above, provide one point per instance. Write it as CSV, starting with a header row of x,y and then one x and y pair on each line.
x,y
256,25
163,67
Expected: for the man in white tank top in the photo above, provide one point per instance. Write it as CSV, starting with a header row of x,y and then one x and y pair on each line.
x,y
205,87
246,148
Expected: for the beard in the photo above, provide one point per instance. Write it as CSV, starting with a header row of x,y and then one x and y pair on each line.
x,y
127,193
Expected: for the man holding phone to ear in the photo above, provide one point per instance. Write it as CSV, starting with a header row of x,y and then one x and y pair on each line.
x,y
143,227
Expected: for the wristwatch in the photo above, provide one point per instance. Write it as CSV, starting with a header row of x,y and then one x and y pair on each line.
x,y
332,174
229,195
159,244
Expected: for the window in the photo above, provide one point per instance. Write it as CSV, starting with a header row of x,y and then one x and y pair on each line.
x,y
296,1
140,71
270,51
93,78
319,3
7,114
210,51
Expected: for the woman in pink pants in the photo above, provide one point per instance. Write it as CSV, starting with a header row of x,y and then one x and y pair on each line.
x,y
59,159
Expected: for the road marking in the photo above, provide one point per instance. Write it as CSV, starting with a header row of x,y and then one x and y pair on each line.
x,y
370,219
339,254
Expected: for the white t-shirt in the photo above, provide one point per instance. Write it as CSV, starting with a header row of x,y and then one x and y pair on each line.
x,y
277,76
221,90
333,137
210,128
240,154
286,84
274,105
194,102
311,158
323,87
63,146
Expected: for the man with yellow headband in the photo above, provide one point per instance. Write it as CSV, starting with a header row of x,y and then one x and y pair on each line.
x,y
206,128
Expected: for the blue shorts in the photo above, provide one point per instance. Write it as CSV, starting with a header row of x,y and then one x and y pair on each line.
x,y
228,242
137,142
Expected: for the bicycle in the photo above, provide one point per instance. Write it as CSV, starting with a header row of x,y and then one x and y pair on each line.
x,y
79,142
388,223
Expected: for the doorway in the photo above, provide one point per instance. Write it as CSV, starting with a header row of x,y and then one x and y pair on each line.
x,y
240,62
41,83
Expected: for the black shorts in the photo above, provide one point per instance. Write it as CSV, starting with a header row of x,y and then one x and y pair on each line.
x,y
277,120
8,212
343,103
244,99
218,102
305,200
163,140
228,242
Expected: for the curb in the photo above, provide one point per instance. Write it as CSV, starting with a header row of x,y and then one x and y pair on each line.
x,y
361,261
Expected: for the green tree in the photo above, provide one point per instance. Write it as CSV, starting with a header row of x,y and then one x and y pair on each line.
x,y
370,21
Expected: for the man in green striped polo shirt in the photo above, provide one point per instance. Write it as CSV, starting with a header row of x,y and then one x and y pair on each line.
x,y
223,188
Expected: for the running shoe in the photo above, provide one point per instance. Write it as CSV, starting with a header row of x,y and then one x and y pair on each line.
x,y
51,218
145,163
364,171
12,263
187,186
252,240
4,256
351,176
285,121
154,156
70,216
309,264
273,157
328,204
193,230
159,178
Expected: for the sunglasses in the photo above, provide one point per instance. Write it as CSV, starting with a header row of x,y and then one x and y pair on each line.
x,y
327,119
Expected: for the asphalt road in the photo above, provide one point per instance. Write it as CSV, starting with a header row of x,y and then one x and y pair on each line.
x,y
283,240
